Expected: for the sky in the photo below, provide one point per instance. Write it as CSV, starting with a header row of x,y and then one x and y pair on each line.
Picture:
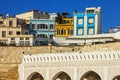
x,y
110,8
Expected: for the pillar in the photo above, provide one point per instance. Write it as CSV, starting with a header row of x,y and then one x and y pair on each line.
x,y
75,74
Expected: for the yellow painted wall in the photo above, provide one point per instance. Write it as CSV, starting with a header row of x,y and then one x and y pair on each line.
x,y
65,26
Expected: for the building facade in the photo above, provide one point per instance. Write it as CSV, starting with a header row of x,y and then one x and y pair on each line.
x,y
87,23
94,65
11,26
33,14
43,29
20,40
64,27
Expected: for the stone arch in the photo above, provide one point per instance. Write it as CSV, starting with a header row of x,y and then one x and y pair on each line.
x,y
116,77
35,76
61,76
90,75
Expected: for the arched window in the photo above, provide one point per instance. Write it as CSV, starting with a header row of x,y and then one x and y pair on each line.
x,y
63,32
116,77
58,31
46,26
90,75
61,76
51,36
51,26
35,76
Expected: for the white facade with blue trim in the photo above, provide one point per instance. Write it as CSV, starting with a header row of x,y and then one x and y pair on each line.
x,y
88,23
43,29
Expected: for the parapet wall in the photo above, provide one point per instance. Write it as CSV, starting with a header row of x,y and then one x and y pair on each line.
x,y
14,54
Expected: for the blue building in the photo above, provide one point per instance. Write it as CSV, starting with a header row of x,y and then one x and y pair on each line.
x,y
87,23
43,29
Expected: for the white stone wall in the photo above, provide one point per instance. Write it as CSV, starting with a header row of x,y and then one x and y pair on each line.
x,y
104,63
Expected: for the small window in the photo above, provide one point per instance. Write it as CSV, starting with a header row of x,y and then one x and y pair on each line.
x,y
12,38
33,26
63,32
11,23
21,38
27,38
51,26
10,32
18,32
51,36
80,21
58,31
3,33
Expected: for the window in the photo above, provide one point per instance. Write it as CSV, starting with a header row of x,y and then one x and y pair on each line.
x,y
51,26
58,32
10,32
11,23
70,31
46,26
90,21
21,38
12,38
33,26
43,36
80,21
18,32
90,11
1,22
27,38
21,43
80,31
3,33
63,32
90,31
27,43
51,36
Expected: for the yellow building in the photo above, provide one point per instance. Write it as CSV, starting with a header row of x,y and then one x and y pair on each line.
x,y
64,27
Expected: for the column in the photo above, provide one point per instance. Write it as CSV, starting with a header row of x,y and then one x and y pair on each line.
x,y
105,73
47,73
74,30
96,25
75,74
85,25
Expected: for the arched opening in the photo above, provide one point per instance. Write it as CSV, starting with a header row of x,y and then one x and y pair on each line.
x,y
116,77
35,76
90,75
61,76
